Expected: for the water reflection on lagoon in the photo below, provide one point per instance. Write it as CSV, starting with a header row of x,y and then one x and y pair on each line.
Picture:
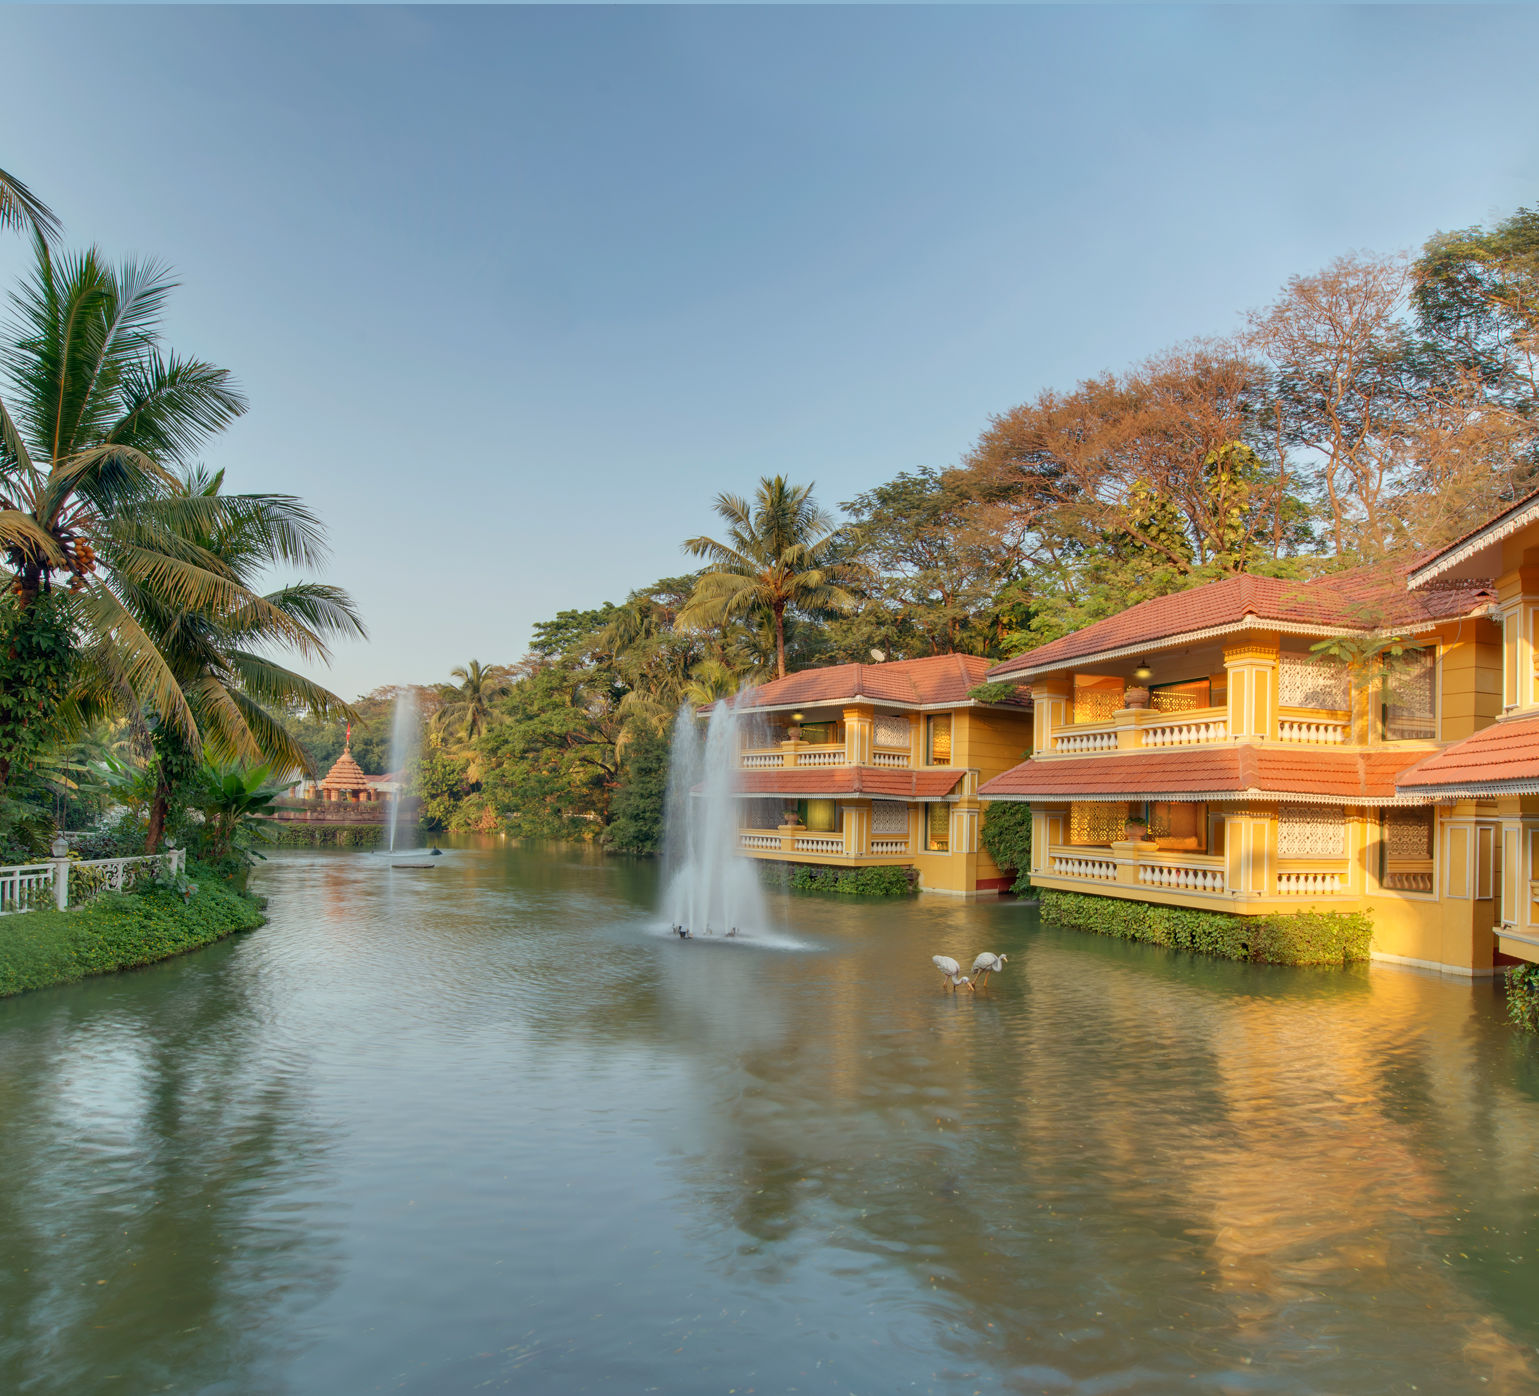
x,y
489,1127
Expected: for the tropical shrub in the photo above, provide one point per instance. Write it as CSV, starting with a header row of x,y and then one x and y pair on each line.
x,y
1298,938
1006,837
846,882
118,931
1523,996
636,809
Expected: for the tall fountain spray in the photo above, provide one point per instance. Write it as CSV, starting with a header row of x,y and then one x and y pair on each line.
x,y
403,740
711,888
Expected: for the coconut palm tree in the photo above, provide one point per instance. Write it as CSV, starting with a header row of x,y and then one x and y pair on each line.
x,y
21,209
783,553
467,706
211,663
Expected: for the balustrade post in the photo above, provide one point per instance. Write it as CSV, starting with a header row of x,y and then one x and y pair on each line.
x,y
60,851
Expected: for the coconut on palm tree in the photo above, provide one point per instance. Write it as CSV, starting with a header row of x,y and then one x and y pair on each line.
x,y
783,553
467,706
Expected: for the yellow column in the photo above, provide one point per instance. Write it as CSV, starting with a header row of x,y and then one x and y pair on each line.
x,y
1251,669
856,822
858,735
1052,702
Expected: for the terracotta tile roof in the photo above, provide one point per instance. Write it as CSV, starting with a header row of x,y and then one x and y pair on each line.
x,y
939,679
346,774
1363,599
1216,772
849,780
1505,752
1497,524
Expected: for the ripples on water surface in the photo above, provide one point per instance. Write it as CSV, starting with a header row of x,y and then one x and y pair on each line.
x,y
490,1128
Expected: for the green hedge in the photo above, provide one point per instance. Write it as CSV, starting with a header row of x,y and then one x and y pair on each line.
x,y
1006,838
887,881
1302,938
116,931
1523,996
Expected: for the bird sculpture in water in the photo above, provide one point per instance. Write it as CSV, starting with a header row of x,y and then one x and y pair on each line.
x,y
987,964
951,971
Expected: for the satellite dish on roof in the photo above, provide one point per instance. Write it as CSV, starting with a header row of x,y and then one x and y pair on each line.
x,y
879,655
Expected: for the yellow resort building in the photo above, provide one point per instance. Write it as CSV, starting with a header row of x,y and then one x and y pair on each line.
x,y
1194,751
872,765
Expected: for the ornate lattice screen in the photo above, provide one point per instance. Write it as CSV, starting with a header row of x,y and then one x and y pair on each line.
x,y
1312,831
1095,700
889,818
1096,823
1305,682
891,732
1408,832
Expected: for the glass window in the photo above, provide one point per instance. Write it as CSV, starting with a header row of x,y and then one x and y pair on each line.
x,y
820,816
937,824
1409,709
1181,697
1405,849
1179,825
940,739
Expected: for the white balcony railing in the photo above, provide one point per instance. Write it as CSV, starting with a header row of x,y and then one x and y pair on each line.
x,y
889,847
1310,884
766,841
833,843
761,760
890,758
1326,732
1095,869
822,756
1408,882
1182,877
1185,731
1076,743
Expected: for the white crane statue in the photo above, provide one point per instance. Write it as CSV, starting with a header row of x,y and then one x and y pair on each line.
x,y
951,971
987,964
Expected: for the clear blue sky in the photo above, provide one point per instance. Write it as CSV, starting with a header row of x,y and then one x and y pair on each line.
x,y
515,292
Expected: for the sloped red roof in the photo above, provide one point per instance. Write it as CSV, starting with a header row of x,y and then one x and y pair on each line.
x,y
1434,555
938,679
869,781
1216,772
1503,752
1363,599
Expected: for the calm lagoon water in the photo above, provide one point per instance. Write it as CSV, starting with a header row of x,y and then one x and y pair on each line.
x,y
489,1128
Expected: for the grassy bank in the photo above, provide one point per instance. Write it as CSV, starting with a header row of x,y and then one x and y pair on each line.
x,y
1303,938
40,948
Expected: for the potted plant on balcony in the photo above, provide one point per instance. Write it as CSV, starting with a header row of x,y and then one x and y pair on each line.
x,y
1135,696
1136,830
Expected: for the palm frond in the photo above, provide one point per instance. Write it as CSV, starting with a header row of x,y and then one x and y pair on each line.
x,y
21,209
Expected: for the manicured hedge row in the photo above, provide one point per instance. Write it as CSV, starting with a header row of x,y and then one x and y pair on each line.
x,y
1303,938
39,948
846,882
1523,996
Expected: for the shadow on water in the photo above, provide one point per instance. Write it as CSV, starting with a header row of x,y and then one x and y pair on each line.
x,y
485,1128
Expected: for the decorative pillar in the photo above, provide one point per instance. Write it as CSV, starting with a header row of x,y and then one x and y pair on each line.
x,y
1251,672
1249,852
858,736
1052,707
855,820
1519,601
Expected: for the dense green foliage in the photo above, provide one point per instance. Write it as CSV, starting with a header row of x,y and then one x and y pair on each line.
x,y
637,809
1303,938
36,654
845,882
1006,838
114,932
1523,996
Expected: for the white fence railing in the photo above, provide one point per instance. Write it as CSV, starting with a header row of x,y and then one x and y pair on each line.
x,y
1327,733
1309,884
1101,869
830,756
889,758
29,886
834,844
1182,877
1185,732
889,846
1078,742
